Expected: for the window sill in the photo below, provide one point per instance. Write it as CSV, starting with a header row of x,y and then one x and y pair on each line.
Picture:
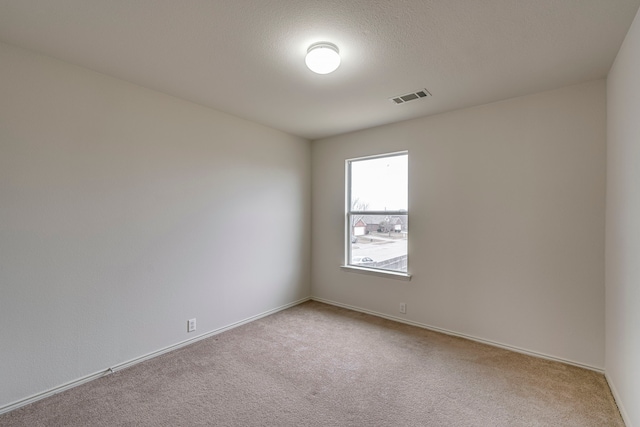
x,y
380,273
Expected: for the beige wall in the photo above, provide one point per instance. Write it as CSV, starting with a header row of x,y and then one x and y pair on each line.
x,y
124,212
506,238
623,227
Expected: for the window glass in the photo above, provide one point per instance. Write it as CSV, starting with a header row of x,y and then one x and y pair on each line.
x,y
377,212
380,184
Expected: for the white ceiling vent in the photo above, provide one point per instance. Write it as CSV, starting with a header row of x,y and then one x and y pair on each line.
x,y
401,99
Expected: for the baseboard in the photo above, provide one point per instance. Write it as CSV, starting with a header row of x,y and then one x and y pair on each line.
x,y
71,384
457,334
616,397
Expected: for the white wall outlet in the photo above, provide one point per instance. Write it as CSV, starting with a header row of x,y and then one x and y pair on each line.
x,y
403,308
191,325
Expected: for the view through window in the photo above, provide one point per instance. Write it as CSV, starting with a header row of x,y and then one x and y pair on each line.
x,y
377,212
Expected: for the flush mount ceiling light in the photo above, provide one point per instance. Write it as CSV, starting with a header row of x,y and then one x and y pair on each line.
x,y
322,58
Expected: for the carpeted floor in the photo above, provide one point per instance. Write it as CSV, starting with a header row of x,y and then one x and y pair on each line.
x,y
319,365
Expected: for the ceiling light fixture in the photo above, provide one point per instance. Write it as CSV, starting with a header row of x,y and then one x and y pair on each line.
x,y
323,58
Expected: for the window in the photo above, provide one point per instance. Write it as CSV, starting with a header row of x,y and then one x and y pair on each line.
x,y
377,212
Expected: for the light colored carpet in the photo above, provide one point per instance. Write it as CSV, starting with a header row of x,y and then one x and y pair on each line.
x,y
319,365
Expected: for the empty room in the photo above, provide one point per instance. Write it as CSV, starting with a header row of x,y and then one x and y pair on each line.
x,y
320,213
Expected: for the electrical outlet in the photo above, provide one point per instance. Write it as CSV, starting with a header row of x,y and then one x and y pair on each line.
x,y
403,308
191,325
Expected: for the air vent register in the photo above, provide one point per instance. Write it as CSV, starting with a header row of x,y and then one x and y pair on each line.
x,y
401,99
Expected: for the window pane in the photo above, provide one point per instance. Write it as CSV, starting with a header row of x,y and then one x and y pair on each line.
x,y
379,241
380,184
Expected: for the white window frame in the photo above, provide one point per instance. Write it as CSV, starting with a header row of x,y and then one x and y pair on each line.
x,y
349,212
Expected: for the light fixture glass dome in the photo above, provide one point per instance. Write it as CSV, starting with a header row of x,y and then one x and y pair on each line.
x,y
323,58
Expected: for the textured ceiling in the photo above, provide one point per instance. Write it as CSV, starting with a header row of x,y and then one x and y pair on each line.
x,y
246,57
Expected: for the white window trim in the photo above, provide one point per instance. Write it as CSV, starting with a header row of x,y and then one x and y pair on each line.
x,y
347,229
390,274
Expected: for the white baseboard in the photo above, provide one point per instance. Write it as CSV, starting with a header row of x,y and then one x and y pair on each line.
x,y
71,384
457,334
616,397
